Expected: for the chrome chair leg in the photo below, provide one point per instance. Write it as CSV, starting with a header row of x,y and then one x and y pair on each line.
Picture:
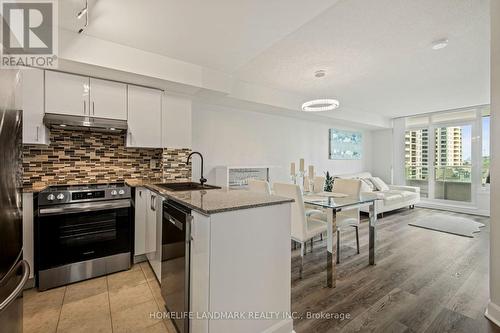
x,y
302,245
357,237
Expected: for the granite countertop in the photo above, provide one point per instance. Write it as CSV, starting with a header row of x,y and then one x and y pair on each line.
x,y
206,202
219,200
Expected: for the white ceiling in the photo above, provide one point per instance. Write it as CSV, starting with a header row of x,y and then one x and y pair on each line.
x,y
218,34
377,52
379,58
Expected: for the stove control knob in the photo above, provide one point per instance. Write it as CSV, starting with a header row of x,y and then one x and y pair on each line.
x,y
121,192
60,196
114,192
51,197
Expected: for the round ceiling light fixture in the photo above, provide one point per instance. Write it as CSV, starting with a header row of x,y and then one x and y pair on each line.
x,y
318,105
440,44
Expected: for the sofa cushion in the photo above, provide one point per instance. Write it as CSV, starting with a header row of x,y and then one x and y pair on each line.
x,y
407,195
392,197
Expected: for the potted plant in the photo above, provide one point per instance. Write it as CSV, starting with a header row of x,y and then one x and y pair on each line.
x,y
328,182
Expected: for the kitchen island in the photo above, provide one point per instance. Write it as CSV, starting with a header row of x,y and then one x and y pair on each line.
x,y
240,259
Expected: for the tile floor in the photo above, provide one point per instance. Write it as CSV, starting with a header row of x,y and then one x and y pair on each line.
x,y
121,302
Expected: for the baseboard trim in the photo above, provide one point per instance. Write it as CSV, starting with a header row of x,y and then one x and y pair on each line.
x,y
493,313
140,258
454,208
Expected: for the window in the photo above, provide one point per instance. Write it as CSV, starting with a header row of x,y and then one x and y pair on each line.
x,y
416,165
485,172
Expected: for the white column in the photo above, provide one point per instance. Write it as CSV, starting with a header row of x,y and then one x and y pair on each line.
x,y
493,310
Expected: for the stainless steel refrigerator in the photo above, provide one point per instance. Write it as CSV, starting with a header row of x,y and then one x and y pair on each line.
x,y
14,271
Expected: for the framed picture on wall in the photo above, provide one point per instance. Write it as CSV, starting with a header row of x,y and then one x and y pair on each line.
x,y
345,145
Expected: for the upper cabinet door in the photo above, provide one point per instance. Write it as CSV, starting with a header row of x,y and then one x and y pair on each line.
x,y
176,122
144,117
66,94
29,98
108,99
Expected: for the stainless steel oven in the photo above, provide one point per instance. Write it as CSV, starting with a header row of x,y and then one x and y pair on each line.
x,y
82,232
176,242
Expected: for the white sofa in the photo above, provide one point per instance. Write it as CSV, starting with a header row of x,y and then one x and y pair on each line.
x,y
395,198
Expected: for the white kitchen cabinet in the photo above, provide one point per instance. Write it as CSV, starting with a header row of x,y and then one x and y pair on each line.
x,y
66,94
176,122
216,277
144,117
154,233
29,98
151,222
141,211
28,243
108,99
148,219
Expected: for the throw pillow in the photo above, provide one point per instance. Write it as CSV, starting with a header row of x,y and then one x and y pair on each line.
x,y
366,185
379,184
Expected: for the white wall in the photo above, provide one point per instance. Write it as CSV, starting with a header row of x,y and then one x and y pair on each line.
x,y
234,137
493,311
382,154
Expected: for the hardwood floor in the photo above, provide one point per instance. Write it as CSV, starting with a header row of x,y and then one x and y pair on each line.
x,y
424,281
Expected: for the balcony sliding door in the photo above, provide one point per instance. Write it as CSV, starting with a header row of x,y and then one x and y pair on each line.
x,y
453,168
444,155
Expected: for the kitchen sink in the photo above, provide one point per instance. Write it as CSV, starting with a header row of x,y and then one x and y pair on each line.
x,y
188,186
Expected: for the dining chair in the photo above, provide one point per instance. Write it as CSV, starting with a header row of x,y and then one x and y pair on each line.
x,y
304,228
260,186
348,218
318,184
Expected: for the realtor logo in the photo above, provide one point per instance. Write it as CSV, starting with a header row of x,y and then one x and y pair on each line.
x,y
29,33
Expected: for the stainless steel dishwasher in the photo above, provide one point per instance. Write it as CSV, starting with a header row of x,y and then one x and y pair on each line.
x,y
176,241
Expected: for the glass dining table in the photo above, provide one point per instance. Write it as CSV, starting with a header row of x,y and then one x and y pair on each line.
x,y
336,202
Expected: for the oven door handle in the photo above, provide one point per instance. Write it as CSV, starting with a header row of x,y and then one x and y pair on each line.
x,y
84,207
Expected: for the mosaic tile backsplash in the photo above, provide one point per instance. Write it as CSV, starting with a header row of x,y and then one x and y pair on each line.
x,y
80,157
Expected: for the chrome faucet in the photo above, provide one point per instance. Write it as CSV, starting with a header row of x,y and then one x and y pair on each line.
x,y
202,179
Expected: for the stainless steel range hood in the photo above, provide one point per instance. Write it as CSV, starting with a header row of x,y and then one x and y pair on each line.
x,y
84,123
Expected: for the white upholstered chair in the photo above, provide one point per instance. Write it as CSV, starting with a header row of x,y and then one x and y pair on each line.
x,y
260,186
346,218
303,228
318,184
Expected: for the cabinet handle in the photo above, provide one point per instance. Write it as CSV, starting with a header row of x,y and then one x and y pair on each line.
x,y
140,194
153,202
37,131
93,108
85,108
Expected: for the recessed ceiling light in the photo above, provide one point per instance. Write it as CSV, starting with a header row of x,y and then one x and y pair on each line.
x,y
320,73
440,44
318,105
